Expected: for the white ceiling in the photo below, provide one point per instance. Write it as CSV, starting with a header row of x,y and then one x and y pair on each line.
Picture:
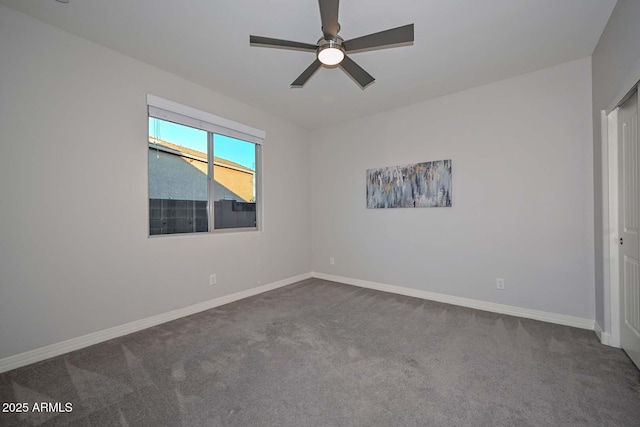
x,y
459,44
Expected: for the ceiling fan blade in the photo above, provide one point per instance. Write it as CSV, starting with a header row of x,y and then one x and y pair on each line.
x,y
281,44
356,72
388,38
329,16
306,74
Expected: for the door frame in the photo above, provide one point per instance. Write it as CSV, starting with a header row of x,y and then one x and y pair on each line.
x,y
611,252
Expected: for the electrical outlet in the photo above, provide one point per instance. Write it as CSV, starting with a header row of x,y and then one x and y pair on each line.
x,y
500,283
332,261
213,280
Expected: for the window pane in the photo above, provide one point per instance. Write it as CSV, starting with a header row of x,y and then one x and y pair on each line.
x,y
234,174
178,184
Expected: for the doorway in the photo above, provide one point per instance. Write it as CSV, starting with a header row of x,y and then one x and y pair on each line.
x,y
622,237
629,227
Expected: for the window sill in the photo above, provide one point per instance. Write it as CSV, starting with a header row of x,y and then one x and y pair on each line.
x,y
242,231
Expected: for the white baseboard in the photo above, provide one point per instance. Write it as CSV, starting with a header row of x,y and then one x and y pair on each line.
x,y
43,353
604,337
544,316
39,354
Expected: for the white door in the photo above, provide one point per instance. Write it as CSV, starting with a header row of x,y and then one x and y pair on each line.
x,y
629,221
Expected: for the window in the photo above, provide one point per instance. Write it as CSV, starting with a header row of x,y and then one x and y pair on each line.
x,y
204,171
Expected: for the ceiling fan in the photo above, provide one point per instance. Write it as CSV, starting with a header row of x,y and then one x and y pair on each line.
x,y
331,50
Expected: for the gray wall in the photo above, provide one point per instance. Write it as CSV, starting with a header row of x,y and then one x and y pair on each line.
x,y
615,60
75,256
521,153
172,177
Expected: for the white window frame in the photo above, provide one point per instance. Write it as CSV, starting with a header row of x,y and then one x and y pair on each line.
x,y
171,111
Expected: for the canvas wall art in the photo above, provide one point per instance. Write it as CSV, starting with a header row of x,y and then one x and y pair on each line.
x,y
420,185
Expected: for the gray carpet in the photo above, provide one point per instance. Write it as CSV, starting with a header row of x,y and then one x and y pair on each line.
x,y
318,353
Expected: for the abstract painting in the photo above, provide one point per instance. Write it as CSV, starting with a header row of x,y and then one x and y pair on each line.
x,y
420,185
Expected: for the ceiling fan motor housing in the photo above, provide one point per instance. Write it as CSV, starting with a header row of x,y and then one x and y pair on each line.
x,y
330,50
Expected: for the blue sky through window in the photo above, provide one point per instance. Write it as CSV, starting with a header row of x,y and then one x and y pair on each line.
x,y
235,150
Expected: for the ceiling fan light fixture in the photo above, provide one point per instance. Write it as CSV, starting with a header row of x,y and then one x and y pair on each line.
x,y
331,53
